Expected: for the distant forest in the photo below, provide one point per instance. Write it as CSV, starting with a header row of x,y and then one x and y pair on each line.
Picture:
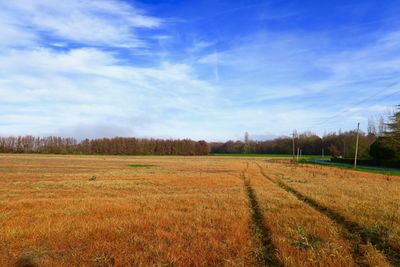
x,y
334,144
381,141
103,146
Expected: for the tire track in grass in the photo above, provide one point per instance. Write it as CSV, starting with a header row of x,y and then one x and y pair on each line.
x,y
353,231
265,248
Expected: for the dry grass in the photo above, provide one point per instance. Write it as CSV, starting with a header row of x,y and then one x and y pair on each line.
x,y
370,200
302,236
181,211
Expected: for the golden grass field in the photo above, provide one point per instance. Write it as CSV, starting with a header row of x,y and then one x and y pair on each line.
x,y
193,211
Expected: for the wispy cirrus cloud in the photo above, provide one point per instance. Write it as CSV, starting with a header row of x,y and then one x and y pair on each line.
x,y
90,86
308,74
97,22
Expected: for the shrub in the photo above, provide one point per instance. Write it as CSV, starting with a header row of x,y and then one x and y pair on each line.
x,y
383,148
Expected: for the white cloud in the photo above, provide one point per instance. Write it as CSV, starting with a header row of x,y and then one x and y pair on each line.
x,y
89,86
199,46
95,22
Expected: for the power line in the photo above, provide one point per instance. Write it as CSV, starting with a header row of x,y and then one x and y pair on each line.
x,y
341,113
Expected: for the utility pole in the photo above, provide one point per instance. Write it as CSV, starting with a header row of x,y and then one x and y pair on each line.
x,y
355,157
293,143
298,153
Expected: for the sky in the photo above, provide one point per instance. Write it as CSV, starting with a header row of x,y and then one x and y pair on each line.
x,y
196,69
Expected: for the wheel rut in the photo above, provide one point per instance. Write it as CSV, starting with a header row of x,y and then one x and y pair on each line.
x,y
265,252
355,233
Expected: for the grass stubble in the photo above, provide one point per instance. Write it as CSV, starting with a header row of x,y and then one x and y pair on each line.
x,y
302,236
264,251
190,211
175,213
358,204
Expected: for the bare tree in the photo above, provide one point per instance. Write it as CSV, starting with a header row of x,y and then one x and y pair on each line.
x,y
381,126
371,126
246,147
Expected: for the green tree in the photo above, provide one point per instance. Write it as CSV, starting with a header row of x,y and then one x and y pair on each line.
x,y
393,128
383,148
387,147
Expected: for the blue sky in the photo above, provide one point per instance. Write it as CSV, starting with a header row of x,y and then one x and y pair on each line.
x,y
196,69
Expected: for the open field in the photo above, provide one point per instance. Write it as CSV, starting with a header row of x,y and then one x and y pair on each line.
x,y
253,155
271,155
58,210
379,170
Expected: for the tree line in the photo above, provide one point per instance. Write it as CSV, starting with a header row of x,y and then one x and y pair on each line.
x,y
103,146
387,146
335,144
381,142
